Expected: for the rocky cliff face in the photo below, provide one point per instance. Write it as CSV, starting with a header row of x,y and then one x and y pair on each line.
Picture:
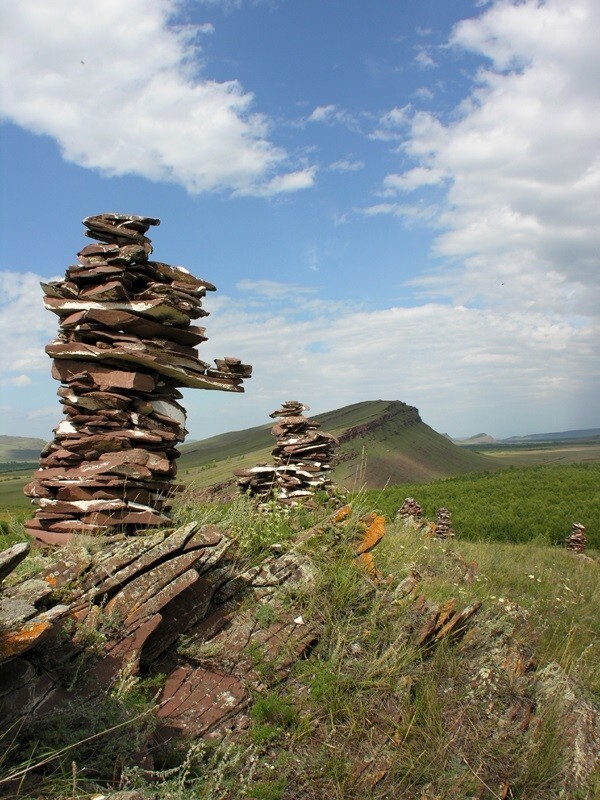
x,y
401,414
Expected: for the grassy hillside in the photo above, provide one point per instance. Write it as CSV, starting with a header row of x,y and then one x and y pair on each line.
x,y
382,442
20,448
370,712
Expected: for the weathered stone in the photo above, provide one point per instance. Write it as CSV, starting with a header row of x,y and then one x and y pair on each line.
x,y
124,346
302,458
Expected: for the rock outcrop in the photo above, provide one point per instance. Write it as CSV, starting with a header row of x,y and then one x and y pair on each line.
x,y
124,347
185,605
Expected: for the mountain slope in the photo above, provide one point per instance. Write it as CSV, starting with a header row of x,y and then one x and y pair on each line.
x,y
382,442
588,433
20,448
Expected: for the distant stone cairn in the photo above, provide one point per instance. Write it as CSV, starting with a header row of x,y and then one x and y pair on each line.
x,y
443,524
410,508
302,457
576,541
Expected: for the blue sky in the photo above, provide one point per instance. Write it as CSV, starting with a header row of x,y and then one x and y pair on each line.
x,y
396,200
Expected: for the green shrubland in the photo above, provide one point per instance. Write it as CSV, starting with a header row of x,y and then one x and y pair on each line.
x,y
515,505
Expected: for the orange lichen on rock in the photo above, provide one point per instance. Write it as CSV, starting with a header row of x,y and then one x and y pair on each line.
x,y
368,562
373,534
342,514
13,643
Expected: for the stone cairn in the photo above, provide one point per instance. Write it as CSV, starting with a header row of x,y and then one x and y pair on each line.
x,y
443,524
302,457
124,346
410,508
576,541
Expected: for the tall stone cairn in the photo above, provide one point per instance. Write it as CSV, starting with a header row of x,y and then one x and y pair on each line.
x,y
125,344
443,524
302,456
576,541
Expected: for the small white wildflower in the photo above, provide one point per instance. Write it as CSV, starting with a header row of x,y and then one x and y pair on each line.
x,y
539,580
532,577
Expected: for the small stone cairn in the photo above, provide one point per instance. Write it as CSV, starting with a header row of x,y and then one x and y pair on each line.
x,y
410,508
443,524
124,346
302,458
576,541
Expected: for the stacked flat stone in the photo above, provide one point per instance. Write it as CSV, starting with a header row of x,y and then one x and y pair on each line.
x,y
443,524
302,456
410,508
576,541
125,344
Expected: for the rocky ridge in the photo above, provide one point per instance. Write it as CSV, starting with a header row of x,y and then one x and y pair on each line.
x,y
183,604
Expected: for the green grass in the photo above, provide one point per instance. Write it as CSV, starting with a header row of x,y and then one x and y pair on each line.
x,y
366,697
517,505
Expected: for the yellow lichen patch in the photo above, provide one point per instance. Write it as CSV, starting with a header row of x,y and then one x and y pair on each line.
x,y
341,514
368,562
13,643
373,534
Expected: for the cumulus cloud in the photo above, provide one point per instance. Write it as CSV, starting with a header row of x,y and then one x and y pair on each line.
x,y
333,115
521,159
487,365
117,86
273,290
412,179
424,60
466,367
346,165
25,327
393,124
290,182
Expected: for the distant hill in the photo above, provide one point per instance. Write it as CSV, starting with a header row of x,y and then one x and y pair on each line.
x,y
479,438
20,449
560,436
382,442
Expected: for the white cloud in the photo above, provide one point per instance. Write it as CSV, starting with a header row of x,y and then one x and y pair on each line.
x,y
291,182
346,165
323,113
424,93
25,327
18,381
521,161
333,115
273,290
392,125
406,211
116,85
466,367
424,60
412,179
